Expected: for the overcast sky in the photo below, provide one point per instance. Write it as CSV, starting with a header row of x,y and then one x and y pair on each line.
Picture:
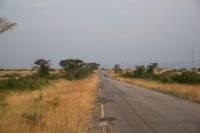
x,y
127,32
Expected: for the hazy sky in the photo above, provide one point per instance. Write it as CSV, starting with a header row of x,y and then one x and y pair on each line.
x,y
128,32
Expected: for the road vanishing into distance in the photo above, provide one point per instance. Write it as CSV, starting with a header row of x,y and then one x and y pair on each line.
x,y
134,109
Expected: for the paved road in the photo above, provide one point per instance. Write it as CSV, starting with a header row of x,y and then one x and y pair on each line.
x,y
134,109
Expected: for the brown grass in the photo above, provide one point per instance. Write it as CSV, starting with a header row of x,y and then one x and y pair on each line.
x,y
22,73
64,107
190,92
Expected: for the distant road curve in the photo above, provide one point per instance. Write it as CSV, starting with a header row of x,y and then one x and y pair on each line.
x,y
135,109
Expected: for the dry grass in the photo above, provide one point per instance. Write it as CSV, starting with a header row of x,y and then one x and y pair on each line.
x,y
190,92
4,75
64,107
22,73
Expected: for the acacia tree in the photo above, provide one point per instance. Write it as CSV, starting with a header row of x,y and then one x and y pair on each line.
x,y
92,66
73,68
76,68
43,67
5,25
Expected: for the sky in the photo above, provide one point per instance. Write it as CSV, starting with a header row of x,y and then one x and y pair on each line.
x,y
126,32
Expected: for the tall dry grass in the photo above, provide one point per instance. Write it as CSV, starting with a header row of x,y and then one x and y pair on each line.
x,y
10,72
190,92
64,107
5,74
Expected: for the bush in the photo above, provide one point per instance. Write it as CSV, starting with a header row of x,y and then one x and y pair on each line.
x,y
147,75
128,74
139,71
166,80
23,83
187,77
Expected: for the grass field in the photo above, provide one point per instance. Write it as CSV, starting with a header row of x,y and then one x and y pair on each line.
x,y
190,92
64,106
5,74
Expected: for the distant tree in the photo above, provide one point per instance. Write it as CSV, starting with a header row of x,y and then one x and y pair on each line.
x,y
43,67
73,68
76,68
5,25
117,68
151,68
92,66
139,71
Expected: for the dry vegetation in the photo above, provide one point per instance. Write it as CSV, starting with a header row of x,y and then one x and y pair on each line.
x,y
190,92
6,74
64,107
10,72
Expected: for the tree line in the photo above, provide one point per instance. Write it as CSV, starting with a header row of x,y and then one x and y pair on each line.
x,y
71,68
150,72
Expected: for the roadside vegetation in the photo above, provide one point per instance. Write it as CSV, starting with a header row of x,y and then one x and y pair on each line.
x,y
77,69
151,72
46,100
182,83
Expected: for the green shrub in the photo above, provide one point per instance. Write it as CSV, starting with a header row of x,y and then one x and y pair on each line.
x,y
187,77
166,80
23,83
147,75
128,74
169,77
139,71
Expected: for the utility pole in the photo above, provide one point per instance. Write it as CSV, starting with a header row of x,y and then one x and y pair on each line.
x,y
192,58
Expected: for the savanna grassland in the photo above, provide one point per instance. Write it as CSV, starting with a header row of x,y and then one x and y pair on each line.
x,y
186,91
57,106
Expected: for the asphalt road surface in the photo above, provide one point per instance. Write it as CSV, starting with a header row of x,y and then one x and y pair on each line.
x,y
134,109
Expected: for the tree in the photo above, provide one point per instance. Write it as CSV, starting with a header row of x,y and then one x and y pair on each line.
x,y
73,68
139,71
92,66
43,67
76,68
5,25
152,68
117,68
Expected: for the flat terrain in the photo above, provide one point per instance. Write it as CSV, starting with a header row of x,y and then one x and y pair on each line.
x,y
61,106
135,109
